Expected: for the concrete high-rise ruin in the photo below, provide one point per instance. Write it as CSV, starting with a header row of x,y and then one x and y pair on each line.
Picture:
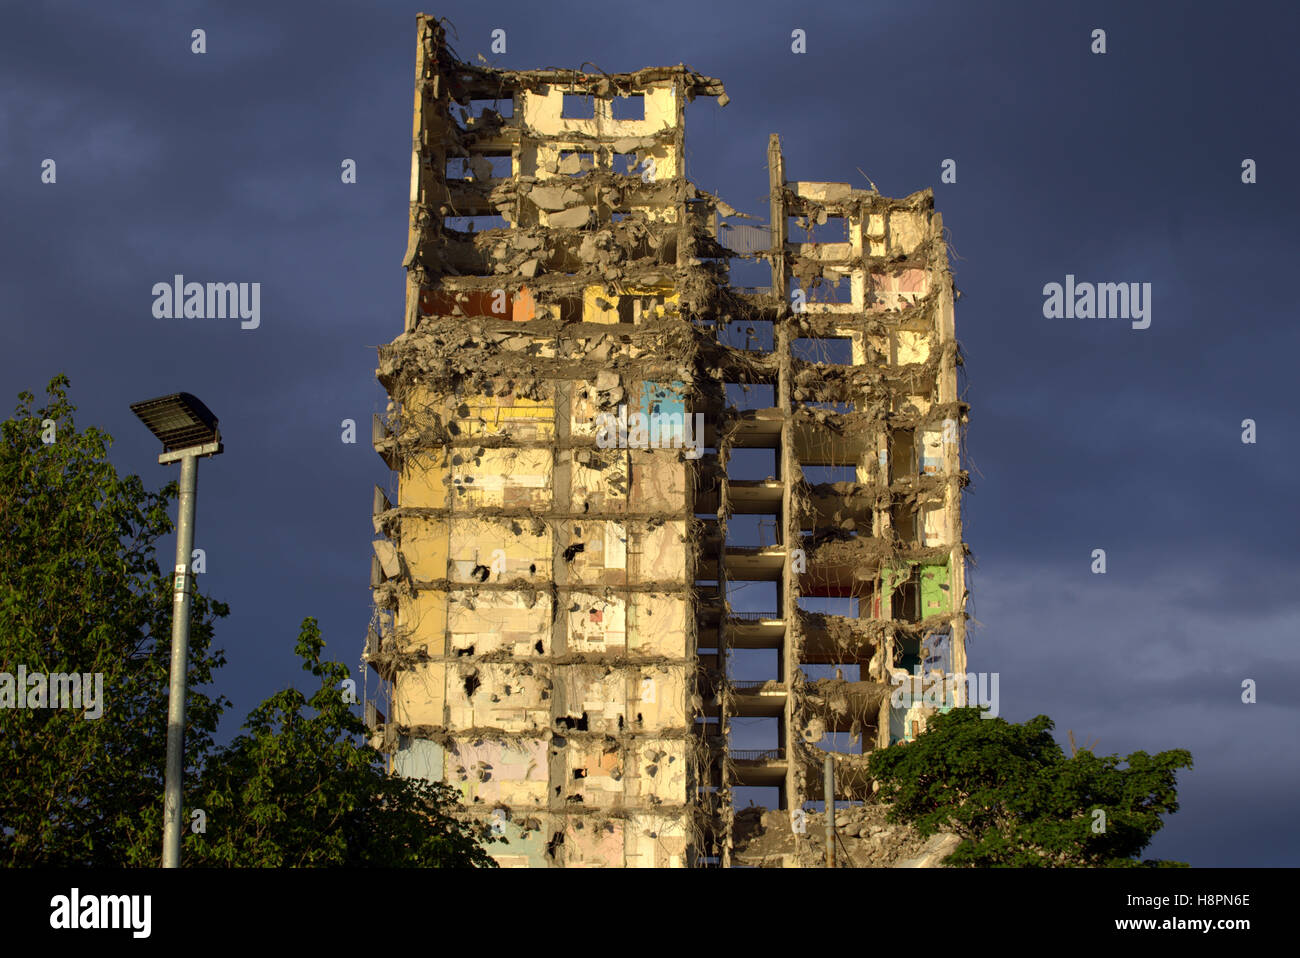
x,y
556,586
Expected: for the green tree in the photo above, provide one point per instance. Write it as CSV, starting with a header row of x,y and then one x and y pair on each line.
x,y
1014,797
299,789
81,591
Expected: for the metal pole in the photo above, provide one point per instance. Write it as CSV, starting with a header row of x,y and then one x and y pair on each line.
x,y
179,664
828,787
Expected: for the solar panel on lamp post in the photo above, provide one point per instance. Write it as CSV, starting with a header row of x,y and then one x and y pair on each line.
x,y
188,431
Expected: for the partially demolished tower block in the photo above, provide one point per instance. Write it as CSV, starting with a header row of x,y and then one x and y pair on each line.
x,y
552,619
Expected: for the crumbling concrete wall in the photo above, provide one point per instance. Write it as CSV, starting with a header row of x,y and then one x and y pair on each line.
x,y
553,616
866,375
534,591
864,838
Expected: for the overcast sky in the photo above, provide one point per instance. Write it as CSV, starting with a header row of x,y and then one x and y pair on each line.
x,y
1085,433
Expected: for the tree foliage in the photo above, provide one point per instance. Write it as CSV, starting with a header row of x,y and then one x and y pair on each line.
x,y
1014,797
81,591
297,789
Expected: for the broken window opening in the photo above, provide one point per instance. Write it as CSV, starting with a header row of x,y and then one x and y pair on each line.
x,y
848,673
756,733
807,229
836,530
628,165
572,723
905,602
837,350
753,531
762,796
815,475
570,309
749,336
635,309
628,107
822,289
753,665
907,653
706,591
842,743
904,520
902,453
576,162
842,605
840,407
503,106
752,464
578,106
748,274
475,224
756,597
751,395
480,167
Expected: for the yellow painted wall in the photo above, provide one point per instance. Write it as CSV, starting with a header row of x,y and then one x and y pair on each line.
x,y
419,694
422,482
656,624
424,546
488,621
421,622
493,543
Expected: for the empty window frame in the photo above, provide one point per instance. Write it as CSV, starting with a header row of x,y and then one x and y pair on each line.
x,y
576,162
578,106
502,106
823,289
751,395
628,107
475,224
479,167
752,337
752,464
832,229
814,475
836,350
902,453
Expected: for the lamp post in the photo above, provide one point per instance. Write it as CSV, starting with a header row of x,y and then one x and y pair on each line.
x,y
188,431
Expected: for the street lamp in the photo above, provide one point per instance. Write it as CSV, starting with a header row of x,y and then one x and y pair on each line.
x,y
187,430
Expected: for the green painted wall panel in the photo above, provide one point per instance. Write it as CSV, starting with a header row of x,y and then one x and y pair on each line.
x,y
936,597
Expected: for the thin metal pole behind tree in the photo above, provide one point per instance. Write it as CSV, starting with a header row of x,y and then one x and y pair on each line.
x,y
188,431
179,664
